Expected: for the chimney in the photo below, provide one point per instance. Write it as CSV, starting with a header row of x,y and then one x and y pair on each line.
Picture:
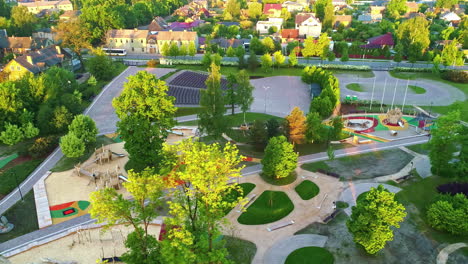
x,y
29,59
59,51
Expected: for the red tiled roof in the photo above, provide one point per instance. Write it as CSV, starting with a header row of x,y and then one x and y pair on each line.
x,y
290,33
268,7
301,17
379,41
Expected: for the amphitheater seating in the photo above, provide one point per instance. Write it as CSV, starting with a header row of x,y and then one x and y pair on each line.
x,y
184,95
194,80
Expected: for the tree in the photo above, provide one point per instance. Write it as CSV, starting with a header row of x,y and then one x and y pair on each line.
x,y
413,34
252,61
279,58
372,218
244,92
399,53
323,46
296,125
268,44
61,118
72,146
273,127
231,10
325,12
29,130
292,59
337,127
315,131
101,66
255,10
11,135
451,55
258,134
272,30
445,34
396,8
344,55
165,49
5,9
445,3
84,127
266,62
111,208
74,35
146,113
256,46
183,50
23,21
443,143
280,160
436,64
230,52
448,213
192,49
331,56
211,119
199,204
231,97
173,50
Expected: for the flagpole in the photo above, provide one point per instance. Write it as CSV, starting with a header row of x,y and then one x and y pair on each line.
x,y
383,94
394,93
372,96
404,100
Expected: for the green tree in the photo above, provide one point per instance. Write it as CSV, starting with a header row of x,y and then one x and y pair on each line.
x,y
165,49
399,53
252,61
445,34
231,97
266,62
331,56
413,34
29,130
436,64
315,130
230,52
344,55
272,30
231,10
256,46
198,206
244,92
258,134
445,3
268,44
451,55
173,50
273,127
74,35
396,8
280,160
326,13
84,128
255,10
337,127
292,59
23,21
5,9
111,208
192,49
183,50
101,66
448,213
372,218
279,58
443,143
72,146
146,113
211,118
61,118
11,135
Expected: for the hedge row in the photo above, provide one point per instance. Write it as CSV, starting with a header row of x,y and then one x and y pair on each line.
x,y
338,67
166,61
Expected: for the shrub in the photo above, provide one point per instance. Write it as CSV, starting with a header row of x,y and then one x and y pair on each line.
x,y
456,76
152,63
43,146
337,67
166,61
453,188
449,213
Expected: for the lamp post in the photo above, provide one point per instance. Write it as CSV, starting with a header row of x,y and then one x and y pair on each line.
x,y
17,184
266,89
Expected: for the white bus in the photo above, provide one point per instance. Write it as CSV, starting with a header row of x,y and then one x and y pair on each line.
x,y
115,52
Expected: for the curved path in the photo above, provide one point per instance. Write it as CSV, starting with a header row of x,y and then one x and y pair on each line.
x,y
446,251
351,193
278,253
438,93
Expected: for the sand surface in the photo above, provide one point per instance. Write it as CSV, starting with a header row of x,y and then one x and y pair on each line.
x,y
84,248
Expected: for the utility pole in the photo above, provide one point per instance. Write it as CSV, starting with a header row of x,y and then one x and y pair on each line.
x,y
18,185
394,93
404,99
383,94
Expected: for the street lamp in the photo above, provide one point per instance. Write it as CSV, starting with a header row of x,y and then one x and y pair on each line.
x,y
17,184
265,88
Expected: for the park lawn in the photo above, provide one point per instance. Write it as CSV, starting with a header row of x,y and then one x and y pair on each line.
x,y
164,77
240,251
420,148
238,119
314,166
310,255
20,171
6,160
307,190
21,147
420,192
355,87
66,163
417,89
23,215
269,207
184,111
233,195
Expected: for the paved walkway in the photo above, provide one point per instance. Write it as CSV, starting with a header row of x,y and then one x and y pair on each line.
x,y
278,253
436,92
445,252
351,193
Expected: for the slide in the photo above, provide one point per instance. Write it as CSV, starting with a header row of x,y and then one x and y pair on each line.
x,y
400,123
175,133
123,178
118,154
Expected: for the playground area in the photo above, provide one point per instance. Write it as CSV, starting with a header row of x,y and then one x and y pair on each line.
x,y
84,246
389,126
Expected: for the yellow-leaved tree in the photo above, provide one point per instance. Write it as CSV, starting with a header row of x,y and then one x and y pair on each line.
x,y
296,125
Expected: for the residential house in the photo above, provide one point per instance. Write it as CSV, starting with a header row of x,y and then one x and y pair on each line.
x,y
38,6
38,61
194,10
272,10
374,10
293,6
451,17
168,37
185,26
441,43
380,42
308,25
67,15
413,15
229,23
47,33
263,26
370,18
344,20
413,7
21,45
132,40
288,35
158,24
225,43
340,4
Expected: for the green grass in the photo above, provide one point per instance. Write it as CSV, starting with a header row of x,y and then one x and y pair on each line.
x,y
240,251
310,255
269,207
342,205
307,190
22,171
184,111
164,77
233,195
355,87
23,216
21,147
68,163
417,89
313,167
238,119
420,192
419,148
281,181
6,160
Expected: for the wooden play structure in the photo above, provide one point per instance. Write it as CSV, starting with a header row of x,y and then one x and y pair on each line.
x,y
393,116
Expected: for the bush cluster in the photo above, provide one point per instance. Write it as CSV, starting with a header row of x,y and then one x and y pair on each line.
x,y
455,76
42,146
449,213
338,67
167,61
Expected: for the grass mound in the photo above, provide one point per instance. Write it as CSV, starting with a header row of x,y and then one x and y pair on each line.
x,y
417,89
355,87
307,190
281,181
269,207
310,255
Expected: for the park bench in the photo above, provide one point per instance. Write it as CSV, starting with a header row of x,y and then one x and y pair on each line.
x,y
250,199
280,225
332,216
402,178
